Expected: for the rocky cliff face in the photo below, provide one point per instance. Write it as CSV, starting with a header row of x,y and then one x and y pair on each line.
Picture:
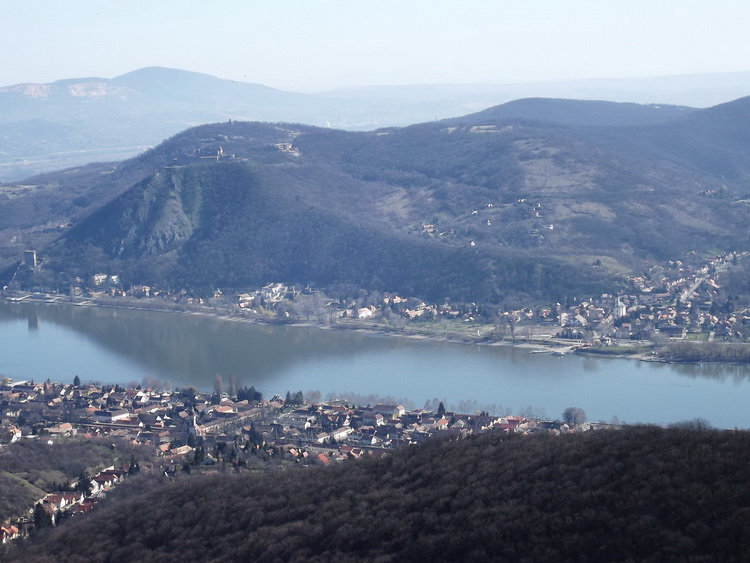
x,y
88,89
160,216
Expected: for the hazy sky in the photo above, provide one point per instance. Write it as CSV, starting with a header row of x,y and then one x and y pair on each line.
x,y
315,45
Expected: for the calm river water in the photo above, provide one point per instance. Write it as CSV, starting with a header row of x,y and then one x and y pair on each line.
x,y
40,341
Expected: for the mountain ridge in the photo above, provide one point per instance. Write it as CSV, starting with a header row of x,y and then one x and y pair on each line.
x,y
440,209
580,112
123,116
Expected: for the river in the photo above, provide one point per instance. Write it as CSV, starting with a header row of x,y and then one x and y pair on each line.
x,y
55,341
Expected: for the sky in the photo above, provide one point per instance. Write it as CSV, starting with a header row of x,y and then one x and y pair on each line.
x,y
316,45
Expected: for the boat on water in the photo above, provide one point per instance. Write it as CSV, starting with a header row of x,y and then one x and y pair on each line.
x,y
559,353
538,351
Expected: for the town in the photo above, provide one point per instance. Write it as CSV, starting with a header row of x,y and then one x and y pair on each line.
x,y
235,428
669,302
188,431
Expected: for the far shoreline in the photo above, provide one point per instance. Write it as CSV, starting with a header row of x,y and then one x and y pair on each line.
x,y
543,343
546,344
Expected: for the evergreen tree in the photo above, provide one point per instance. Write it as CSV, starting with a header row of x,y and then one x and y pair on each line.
x,y
134,467
441,409
42,518
84,483
248,394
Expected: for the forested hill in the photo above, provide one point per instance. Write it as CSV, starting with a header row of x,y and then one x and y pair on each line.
x,y
578,112
636,494
481,208
71,122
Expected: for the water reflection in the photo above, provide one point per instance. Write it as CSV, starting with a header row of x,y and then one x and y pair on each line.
x,y
590,364
119,346
175,344
720,372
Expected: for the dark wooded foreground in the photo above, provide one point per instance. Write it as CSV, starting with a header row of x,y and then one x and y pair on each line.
x,y
640,493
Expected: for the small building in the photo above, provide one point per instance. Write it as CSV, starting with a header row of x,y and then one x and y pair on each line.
x,y
341,433
673,331
364,313
29,258
8,533
111,416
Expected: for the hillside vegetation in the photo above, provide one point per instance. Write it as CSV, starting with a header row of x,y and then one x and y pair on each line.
x,y
636,494
515,201
33,468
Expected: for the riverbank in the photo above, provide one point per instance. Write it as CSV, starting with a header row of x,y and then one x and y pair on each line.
x,y
127,346
535,339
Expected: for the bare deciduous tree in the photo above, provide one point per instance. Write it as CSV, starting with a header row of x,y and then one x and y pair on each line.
x,y
574,415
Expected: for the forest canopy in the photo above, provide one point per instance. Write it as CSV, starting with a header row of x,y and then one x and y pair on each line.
x,y
639,493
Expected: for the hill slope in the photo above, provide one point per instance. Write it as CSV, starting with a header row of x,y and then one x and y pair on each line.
x,y
478,208
77,121
579,112
33,468
641,493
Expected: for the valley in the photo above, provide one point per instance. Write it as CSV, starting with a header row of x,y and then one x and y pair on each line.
x,y
393,281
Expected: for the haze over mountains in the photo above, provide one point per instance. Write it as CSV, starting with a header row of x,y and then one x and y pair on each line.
x,y
535,198
71,122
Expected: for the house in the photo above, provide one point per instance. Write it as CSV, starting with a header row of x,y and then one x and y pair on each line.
x,y
107,479
246,300
98,279
341,433
379,414
8,533
460,424
441,424
390,411
84,506
62,429
225,411
355,453
63,501
274,292
110,416
369,439
209,460
364,313
11,433
181,450
141,291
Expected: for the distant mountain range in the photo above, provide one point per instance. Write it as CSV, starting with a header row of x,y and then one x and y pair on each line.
x,y
72,122
535,198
